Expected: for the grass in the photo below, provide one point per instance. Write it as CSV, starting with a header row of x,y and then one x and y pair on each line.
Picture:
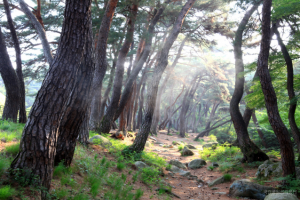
x,y
212,138
181,146
4,164
10,130
120,166
12,149
227,177
6,192
150,175
274,153
210,168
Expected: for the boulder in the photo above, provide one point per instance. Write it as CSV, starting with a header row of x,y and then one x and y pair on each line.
x,y
178,164
186,152
217,181
148,144
140,165
246,188
197,163
214,164
281,196
269,168
210,144
181,172
190,146
100,140
3,140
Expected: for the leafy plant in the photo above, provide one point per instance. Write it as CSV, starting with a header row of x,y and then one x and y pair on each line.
x,y
210,168
150,175
138,194
120,166
6,192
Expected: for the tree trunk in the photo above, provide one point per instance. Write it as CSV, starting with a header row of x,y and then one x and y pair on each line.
x,y
108,118
22,108
39,29
11,83
249,149
138,66
141,104
39,139
287,153
84,129
101,63
162,62
290,89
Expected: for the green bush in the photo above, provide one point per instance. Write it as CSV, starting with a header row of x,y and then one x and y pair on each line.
x,y
138,194
150,175
12,149
4,164
95,183
120,166
212,138
6,192
227,177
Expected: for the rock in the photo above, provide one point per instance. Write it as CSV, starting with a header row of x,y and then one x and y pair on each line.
x,y
156,150
175,143
214,188
100,140
148,144
168,146
214,164
157,142
161,145
190,146
186,152
197,163
178,164
140,165
15,140
3,140
221,193
210,144
190,131
269,168
281,196
246,188
181,172
152,138
217,181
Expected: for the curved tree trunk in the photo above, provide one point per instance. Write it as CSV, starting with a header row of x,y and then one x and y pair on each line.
x,y
11,83
39,138
39,29
108,118
249,149
290,88
210,129
287,153
162,62
260,133
22,108
101,63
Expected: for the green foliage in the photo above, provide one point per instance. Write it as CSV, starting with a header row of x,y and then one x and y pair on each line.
x,y
274,153
4,164
60,193
138,194
220,153
150,175
95,183
12,149
10,130
120,166
291,183
181,146
210,168
212,138
227,177
135,177
6,192
60,170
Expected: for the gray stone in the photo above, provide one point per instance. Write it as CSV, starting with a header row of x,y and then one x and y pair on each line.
x,y
214,164
181,172
148,144
152,138
186,152
3,140
214,188
190,146
197,163
140,165
177,163
221,193
100,140
281,196
246,188
157,142
210,144
217,181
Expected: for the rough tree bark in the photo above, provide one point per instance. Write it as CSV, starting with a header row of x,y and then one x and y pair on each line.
x,y
22,108
39,138
162,62
39,29
260,133
11,83
101,63
249,149
290,89
108,118
286,147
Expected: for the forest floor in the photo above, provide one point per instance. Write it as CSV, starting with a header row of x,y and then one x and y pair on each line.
x,y
120,177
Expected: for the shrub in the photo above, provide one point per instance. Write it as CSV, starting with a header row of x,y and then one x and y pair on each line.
x,y
4,164
6,192
227,177
138,194
150,175
95,183
212,138
210,168
180,147
61,193
60,170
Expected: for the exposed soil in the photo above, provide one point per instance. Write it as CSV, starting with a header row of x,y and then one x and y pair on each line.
x,y
183,187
